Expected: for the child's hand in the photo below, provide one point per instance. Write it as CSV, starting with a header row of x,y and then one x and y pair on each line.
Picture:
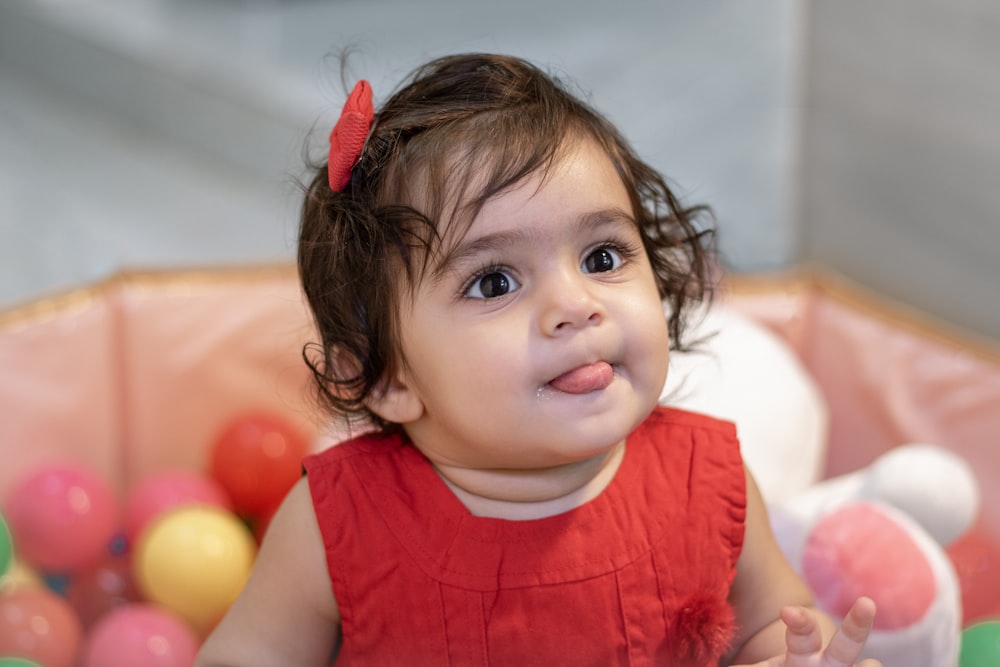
x,y
805,642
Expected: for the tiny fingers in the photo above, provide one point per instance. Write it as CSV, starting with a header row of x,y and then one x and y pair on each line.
x,y
803,638
849,640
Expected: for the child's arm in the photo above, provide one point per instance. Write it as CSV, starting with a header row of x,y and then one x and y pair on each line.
x,y
777,624
286,614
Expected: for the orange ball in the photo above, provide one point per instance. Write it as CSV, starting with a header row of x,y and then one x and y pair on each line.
x,y
37,624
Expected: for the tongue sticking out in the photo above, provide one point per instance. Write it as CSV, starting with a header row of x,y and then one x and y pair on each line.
x,y
585,379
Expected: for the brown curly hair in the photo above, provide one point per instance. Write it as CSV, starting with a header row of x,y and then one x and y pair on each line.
x,y
460,130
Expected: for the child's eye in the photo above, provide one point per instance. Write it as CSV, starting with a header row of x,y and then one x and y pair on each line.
x,y
602,259
491,285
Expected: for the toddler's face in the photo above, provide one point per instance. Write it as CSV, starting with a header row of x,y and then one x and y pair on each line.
x,y
544,340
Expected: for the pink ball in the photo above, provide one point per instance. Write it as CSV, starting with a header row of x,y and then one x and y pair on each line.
x,y
163,491
62,518
36,623
140,635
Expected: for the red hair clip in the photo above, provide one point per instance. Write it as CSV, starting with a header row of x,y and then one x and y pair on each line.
x,y
349,134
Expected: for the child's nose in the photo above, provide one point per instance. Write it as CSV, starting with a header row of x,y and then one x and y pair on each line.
x,y
570,304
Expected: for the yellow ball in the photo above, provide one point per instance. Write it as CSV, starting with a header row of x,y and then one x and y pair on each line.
x,y
19,576
194,560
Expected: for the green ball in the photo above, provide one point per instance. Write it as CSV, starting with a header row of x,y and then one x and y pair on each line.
x,y
980,645
17,662
6,551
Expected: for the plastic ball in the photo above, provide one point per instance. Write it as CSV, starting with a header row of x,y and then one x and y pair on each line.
x,y
194,561
20,575
976,558
37,624
980,645
62,517
97,591
257,459
140,635
6,547
163,491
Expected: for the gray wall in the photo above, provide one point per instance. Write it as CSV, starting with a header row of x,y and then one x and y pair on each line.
x,y
862,135
901,151
168,132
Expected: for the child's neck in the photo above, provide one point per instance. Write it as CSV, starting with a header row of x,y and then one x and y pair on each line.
x,y
521,495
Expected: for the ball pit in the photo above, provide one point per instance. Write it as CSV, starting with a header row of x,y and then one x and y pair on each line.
x,y
143,599
141,377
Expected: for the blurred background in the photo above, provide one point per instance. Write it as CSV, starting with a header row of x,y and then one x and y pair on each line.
x,y
862,136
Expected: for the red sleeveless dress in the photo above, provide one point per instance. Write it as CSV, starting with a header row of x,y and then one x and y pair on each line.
x,y
637,576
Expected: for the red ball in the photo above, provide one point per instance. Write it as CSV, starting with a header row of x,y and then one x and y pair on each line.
x,y
97,591
976,557
257,459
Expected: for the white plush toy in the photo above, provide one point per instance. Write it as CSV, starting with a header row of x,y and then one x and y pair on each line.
x,y
746,374
882,532
879,532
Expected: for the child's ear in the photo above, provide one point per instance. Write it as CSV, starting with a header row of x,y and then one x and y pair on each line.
x,y
396,401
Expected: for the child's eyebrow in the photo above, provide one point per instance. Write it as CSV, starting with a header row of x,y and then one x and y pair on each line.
x,y
590,222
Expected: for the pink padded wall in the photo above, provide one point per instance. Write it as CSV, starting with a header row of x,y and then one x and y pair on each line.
x,y
890,376
139,373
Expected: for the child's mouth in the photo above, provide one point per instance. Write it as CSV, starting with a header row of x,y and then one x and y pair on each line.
x,y
584,379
